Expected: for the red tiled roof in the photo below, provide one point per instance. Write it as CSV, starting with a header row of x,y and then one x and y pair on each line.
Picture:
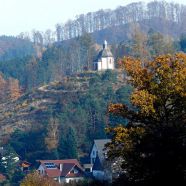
x,y
67,166
52,173
25,164
2,177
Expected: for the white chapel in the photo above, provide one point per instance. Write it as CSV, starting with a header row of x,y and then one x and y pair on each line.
x,y
105,59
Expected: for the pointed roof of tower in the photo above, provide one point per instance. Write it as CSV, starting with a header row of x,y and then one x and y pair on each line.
x,y
105,44
105,52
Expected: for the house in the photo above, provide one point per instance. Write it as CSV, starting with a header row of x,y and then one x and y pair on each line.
x,y
101,169
1,151
105,59
85,162
2,178
25,166
63,171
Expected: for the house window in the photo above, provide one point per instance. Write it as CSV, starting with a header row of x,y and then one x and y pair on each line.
x,y
93,160
95,66
75,171
50,165
87,169
105,155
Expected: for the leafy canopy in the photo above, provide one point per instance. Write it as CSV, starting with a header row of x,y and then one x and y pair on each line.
x,y
160,88
152,145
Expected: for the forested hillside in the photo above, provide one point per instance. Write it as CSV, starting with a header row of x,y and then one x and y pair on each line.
x,y
137,30
114,25
71,111
77,55
162,16
12,48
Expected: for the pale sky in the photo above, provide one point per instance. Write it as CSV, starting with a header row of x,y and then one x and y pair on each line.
x,y
25,15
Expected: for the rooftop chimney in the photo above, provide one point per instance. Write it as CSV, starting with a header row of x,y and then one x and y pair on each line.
x,y
61,167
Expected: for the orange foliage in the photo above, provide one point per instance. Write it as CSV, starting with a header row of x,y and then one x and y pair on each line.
x,y
156,129
156,82
34,179
9,89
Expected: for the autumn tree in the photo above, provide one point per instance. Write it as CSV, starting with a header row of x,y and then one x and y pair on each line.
x,y
51,139
34,179
13,89
139,42
159,44
2,88
9,89
152,144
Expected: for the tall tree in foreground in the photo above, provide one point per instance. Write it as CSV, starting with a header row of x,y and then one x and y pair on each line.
x,y
153,144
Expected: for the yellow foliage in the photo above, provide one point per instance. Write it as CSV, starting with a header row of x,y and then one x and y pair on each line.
x,y
145,100
34,179
156,81
158,86
52,138
157,116
25,104
125,137
8,114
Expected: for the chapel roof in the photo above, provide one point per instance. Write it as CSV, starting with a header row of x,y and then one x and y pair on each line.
x,y
105,52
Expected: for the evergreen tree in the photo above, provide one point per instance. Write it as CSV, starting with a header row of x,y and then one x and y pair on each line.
x,y
68,144
183,42
71,140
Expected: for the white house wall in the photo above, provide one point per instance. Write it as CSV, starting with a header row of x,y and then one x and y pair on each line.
x,y
67,180
99,175
99,66
104,64
41,170
110,63
93,154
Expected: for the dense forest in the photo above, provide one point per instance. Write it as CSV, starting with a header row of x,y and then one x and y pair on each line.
x,y
73,111
77,55
13,47
163,14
